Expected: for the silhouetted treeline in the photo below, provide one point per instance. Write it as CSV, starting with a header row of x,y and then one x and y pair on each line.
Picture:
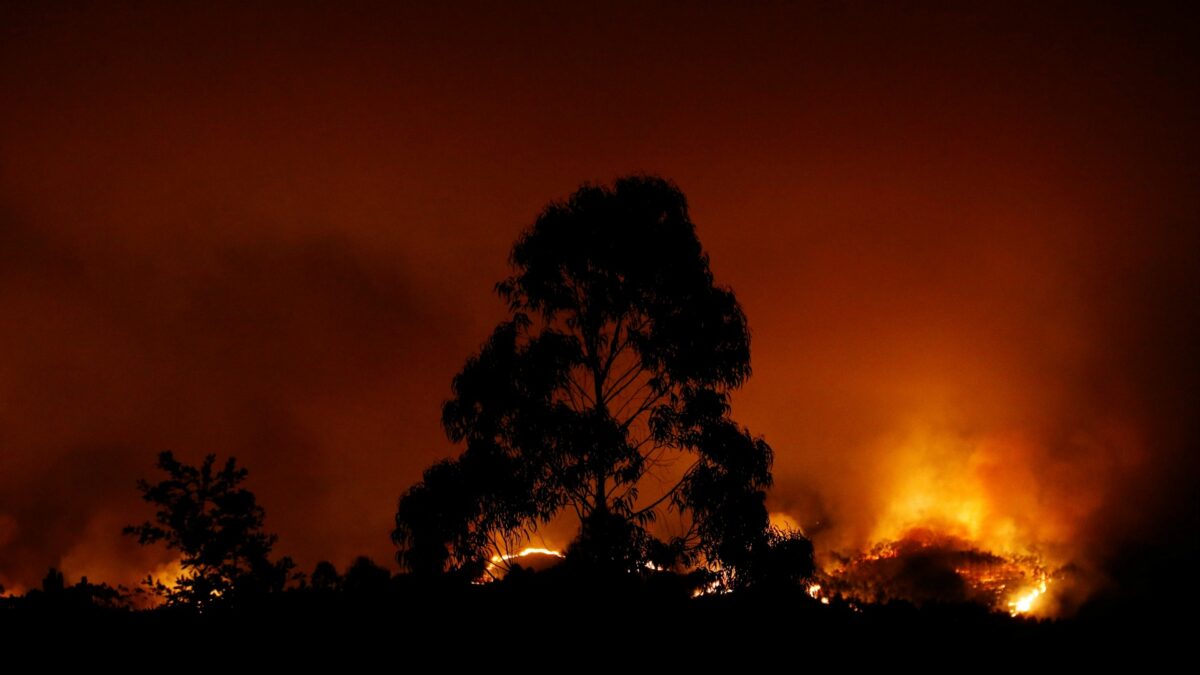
x,y
363,609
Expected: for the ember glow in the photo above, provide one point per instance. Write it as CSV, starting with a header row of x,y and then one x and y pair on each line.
x,y
715,587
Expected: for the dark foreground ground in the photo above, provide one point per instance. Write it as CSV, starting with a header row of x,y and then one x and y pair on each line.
x,y
532,627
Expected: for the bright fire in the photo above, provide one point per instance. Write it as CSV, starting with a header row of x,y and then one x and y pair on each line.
x,y
814,592
167,574
958,519
1025,602
499,564
925,567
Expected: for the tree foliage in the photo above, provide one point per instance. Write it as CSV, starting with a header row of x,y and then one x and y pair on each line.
x,y
606,393
216,526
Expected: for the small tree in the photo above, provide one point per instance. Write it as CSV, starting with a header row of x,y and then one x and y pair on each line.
x,y
616,364
325,577
216,526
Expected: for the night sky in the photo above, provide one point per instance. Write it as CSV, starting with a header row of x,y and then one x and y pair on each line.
x,y
965,239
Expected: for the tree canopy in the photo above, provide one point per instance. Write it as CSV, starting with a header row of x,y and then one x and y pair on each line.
x,y
216,526
606,392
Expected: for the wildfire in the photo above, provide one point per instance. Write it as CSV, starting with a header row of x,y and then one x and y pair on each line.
x,y
497,559
167,574
501,563
1024,602
928,567
958,517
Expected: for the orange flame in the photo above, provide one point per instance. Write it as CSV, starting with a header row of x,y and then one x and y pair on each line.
x,y
991,519
499,563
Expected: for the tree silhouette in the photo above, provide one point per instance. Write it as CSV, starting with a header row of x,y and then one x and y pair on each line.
x,y
365,579
325,577
53,582
606,392
216,526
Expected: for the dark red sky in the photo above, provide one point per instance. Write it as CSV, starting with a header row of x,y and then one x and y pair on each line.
x,y
273,233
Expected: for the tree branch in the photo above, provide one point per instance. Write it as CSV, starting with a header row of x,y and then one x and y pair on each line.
x,y
613,350
646,405
668,493
621,382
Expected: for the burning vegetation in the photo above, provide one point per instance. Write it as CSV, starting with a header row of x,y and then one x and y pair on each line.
x,y
530,557
927,567
995,521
